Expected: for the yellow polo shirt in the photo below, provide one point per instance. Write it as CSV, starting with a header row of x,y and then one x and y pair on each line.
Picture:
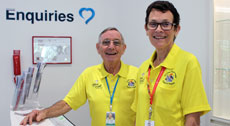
x,y
91,85
179,92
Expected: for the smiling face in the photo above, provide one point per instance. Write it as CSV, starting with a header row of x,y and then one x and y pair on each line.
x,y
158,37
111,46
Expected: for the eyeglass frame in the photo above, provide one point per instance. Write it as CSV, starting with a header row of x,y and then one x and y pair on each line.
x,y
171,24
116,42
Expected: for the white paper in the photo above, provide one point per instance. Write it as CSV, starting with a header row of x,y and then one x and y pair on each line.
x,y
17,118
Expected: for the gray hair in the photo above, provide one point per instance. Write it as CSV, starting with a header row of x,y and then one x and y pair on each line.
x,y
110,29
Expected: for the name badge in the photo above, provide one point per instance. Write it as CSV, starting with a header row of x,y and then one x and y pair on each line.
x,y
110,118
149,123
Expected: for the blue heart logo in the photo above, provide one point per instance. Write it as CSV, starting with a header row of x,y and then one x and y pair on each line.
x,y
87,9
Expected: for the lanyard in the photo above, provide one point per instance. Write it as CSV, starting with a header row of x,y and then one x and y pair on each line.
x,y
156,83
154,88
111,97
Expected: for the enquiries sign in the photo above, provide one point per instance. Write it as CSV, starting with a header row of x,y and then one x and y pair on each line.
x,y
48,16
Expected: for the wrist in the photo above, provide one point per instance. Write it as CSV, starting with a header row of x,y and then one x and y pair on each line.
x,y
45,113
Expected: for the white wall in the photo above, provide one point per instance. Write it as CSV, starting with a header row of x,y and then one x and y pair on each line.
x,y
128,16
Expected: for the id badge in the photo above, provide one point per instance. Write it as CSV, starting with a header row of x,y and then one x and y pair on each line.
x,y
149,123
110,118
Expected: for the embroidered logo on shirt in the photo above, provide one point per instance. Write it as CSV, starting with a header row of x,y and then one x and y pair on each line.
x,y
96,85
142,78
169,78
131,83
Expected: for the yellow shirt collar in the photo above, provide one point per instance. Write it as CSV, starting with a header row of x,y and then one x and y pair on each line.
x,y
168,62
121,73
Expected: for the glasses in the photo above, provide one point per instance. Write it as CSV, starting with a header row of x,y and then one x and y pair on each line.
x,y
116,42
166,26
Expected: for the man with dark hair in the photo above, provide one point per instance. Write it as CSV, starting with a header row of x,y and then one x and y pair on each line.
x,y
109,87
169,88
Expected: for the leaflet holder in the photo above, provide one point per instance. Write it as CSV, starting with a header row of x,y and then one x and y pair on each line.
x,y
27,88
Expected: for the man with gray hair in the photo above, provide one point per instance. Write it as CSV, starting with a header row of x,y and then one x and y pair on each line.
x,y
109,87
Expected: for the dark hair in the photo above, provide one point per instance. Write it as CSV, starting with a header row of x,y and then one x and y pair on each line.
x,y
110,29
163,6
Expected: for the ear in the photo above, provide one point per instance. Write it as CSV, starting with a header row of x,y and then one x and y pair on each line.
x,y
124,48
146,29
98,48
177,30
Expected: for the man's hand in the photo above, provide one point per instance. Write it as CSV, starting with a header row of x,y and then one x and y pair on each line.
x,y
59,108
35,115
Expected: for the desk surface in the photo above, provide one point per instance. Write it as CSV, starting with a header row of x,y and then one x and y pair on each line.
x,y
16,118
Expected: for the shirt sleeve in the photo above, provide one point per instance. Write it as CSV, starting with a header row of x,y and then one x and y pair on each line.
x,y
194,98
77,94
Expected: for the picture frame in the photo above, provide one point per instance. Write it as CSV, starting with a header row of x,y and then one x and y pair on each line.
x,y
52,49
